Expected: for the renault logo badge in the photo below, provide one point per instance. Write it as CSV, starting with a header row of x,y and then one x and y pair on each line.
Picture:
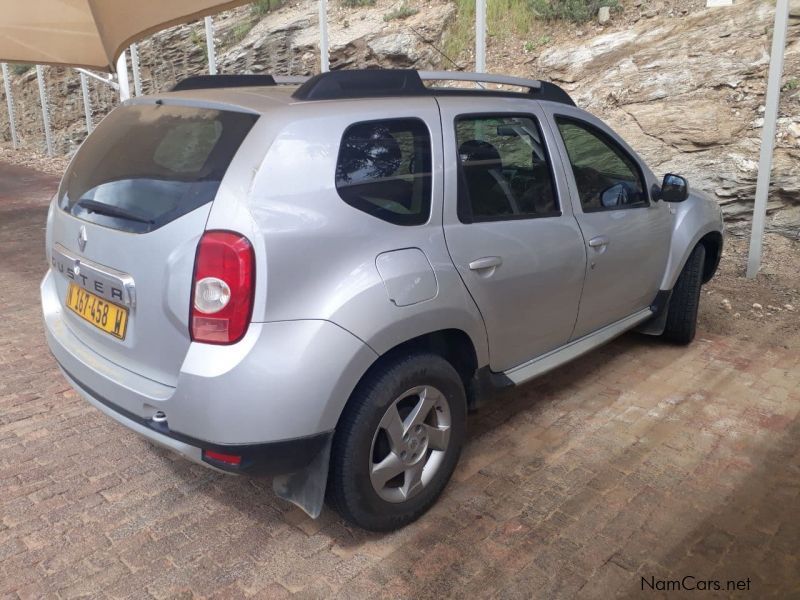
x,y
82,238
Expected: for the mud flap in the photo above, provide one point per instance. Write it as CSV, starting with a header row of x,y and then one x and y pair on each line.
x,y
658,322
306,487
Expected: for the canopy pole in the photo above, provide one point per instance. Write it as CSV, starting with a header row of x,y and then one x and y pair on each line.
x,y
772,105
48,138
137,78
10,103
480,36
324,64
212,54
108,79
122,77
87,105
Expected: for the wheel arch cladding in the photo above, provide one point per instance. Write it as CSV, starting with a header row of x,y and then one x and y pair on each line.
x,y
454,345
713,245
696,221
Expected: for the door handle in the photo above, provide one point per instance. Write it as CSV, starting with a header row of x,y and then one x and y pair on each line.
x,y
488,262
598,242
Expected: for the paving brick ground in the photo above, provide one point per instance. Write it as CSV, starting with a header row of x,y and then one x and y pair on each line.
x,y
638,460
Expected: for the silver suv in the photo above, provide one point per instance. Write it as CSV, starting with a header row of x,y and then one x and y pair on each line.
x,y
317,281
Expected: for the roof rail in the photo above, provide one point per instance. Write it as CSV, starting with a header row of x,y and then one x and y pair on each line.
x,y
371,83
531,84
361,83
541,90
202,82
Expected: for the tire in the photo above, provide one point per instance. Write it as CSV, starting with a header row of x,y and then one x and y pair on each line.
x,y
683,305
420,395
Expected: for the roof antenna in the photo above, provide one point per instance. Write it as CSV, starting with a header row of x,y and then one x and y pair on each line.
x,y
439,50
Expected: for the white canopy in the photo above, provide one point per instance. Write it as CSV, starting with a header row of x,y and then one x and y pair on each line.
x,y
89,33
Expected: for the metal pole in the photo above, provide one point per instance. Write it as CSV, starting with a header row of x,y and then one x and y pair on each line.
x,y
108,80
768,136
87,105
122,77
10,102
137,79
480,36
45,111
212,54
324,64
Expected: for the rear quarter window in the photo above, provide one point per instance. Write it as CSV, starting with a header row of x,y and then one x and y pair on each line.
x,y
147,165
384,169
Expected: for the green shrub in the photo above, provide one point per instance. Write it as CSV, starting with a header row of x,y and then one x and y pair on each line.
x,y
577,11
402,12
261,7
20,69
542,40
240,31
357,3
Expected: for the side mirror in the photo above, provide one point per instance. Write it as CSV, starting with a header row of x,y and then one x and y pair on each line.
x,y
674,188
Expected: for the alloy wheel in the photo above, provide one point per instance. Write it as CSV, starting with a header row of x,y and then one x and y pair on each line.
x,y
409,445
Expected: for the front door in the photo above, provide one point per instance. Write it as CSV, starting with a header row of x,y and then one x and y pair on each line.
x,y
509,226
627,235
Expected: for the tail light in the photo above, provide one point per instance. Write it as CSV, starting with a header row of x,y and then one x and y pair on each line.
x,y
222,288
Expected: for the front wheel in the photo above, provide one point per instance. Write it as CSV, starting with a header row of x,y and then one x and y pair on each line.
x,y
685,301
398,442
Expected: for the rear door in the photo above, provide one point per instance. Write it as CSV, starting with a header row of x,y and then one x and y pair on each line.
x,y
509,225
131,209
627,234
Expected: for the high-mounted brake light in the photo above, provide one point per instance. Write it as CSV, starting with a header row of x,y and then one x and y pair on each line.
x,y
222,288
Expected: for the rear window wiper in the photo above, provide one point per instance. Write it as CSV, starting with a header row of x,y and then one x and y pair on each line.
x,y
101,208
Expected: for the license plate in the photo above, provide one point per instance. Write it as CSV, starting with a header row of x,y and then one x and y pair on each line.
x,y
102,314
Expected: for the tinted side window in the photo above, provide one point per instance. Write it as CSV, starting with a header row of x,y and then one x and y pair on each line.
x,y
504,171
146,165
384,169
607,178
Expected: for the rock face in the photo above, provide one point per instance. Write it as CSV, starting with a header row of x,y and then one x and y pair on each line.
x,y
688,94
287,42
686,91
283,42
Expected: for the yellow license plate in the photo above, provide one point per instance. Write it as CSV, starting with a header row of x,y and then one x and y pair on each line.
x,y
102,314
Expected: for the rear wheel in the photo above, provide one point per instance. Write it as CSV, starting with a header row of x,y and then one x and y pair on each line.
x,y
398,442
683,305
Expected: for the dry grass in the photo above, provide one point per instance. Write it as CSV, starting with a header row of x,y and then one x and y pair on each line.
x,y
502,17
402,12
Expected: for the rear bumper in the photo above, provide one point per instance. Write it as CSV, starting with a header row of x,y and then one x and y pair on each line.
x,y
271,458
273,398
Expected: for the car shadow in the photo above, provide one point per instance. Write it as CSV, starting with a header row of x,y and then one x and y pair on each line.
x,y
255,498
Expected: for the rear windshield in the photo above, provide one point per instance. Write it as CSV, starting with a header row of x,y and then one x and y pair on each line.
x,y
147,165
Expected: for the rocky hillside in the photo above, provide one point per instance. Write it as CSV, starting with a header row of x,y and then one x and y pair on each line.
x,y
281,42
688,93
684,84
